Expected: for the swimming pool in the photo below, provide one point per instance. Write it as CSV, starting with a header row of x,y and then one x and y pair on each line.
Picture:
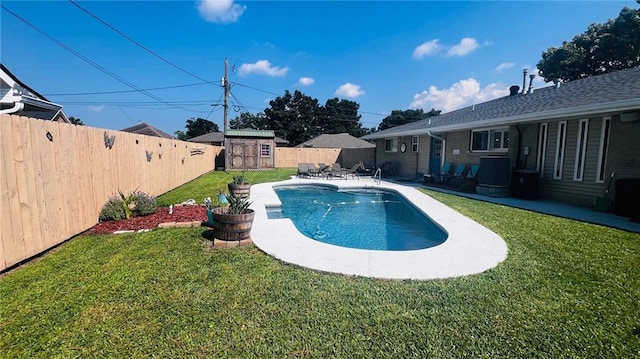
x,y
469,248
357,218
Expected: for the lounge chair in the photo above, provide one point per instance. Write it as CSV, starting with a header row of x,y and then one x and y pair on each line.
x,y
472,174
445,172
336,171
459,174
303,170
353,170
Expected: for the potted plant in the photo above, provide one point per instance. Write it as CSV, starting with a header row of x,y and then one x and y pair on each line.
x,y
233,222
238,186
210,204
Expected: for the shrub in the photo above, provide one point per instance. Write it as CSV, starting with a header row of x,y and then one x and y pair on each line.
x,y
123,207
144,204
112,210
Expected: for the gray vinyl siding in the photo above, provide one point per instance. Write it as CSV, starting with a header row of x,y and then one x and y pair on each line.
x,y
567,189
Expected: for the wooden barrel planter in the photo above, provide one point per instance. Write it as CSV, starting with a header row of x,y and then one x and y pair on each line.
x,y
240,190
232,227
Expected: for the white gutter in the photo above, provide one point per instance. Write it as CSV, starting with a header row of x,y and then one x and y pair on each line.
x,y
619,106
28,100
17,106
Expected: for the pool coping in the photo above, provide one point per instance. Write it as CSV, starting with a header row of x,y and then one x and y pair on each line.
x,y
469,249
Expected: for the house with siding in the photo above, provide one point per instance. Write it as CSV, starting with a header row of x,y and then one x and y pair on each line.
x,y
573,136
17,98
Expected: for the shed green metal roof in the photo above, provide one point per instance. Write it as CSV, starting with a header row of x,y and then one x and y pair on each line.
x,y
250,133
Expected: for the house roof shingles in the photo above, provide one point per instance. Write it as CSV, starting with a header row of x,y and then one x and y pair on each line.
x,y
615,91
339,140
146,129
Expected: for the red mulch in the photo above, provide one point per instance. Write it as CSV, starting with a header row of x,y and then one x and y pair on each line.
x,y
180,214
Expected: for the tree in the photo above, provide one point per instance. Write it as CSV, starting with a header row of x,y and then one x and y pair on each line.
x,y
249,120
76,121
340,116
293,117
602,48
181,135
200,126
399,117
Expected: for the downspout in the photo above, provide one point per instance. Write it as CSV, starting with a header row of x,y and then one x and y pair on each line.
x,y
518,147
17,107
444,146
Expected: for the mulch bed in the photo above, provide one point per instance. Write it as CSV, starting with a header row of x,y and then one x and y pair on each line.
x,y
180,214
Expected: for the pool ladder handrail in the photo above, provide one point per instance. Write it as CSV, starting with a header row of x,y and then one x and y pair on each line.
x,y
379,174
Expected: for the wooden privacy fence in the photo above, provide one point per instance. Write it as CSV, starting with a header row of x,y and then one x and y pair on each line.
x,y
347,157
55,178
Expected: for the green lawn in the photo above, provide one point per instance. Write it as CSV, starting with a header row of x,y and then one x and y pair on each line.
x,y
566,290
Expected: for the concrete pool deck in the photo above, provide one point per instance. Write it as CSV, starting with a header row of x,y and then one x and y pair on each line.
x,y
469,249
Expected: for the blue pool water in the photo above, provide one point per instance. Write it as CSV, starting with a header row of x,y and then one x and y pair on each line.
x,y
362,218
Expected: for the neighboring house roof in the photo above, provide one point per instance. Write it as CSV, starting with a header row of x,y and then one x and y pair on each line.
x,y
280,141
616,92
208,138
248,132
146,129
19,99
339,140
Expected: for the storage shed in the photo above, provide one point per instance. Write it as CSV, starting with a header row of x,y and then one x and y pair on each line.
x,y
249,149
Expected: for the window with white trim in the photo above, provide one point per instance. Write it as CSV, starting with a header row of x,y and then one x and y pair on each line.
x,y
415,143
265,150
602,153
391,144
542,148
581,150
496,139
561,142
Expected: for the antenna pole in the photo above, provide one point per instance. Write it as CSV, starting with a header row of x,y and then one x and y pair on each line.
x,y
225,84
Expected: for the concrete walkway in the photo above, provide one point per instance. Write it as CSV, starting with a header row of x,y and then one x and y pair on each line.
x,y
583,214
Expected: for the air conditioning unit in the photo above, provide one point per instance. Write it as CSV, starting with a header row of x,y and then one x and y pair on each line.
x,y
630,117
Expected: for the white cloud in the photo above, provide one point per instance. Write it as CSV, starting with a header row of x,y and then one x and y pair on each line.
x,y
462,93
306,81
464,47
95,108
262,67
349,90
428,48
220,11
505,66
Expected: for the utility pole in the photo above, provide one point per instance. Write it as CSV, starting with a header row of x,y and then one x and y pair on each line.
x,y
227,88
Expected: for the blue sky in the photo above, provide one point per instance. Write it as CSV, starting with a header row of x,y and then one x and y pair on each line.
x,y
383,55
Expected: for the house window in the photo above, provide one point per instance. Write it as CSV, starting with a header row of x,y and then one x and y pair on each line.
x,y
542,148
265,150
561,142
602,153
414,144
490,140
581,150
391,144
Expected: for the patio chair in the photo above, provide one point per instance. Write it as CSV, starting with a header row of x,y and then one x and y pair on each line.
x,y
336,171
472,174
459,174
353,170
313,170
445,172
303,170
